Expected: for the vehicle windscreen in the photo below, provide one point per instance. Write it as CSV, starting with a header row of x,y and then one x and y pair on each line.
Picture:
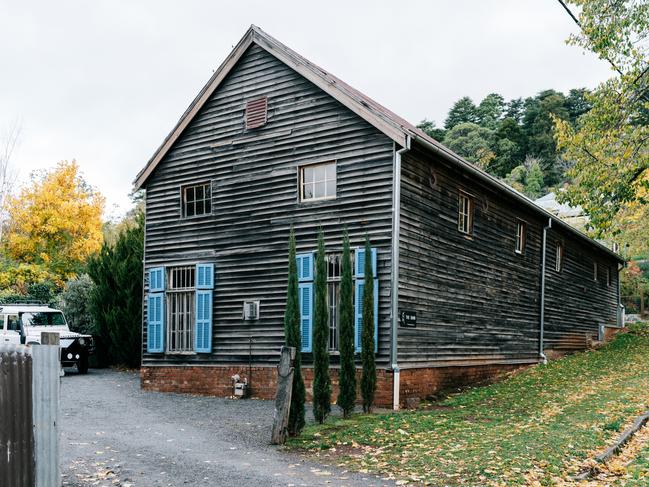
x,y
44,318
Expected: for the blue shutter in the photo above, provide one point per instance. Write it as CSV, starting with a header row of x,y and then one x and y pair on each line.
x,y
359,268
155,323
306,314
359,262
204,276
157,279
203,329
304,266
358,313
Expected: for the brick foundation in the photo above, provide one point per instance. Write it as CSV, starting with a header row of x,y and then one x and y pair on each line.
x,y
414,383
424,382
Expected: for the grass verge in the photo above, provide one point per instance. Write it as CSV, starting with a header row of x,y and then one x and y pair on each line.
x,y
537,427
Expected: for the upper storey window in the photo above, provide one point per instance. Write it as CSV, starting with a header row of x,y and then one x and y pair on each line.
x,y
197,200
465,214
318,182
256,113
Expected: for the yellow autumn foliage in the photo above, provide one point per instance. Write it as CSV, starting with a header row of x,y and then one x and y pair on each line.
x,y
55,222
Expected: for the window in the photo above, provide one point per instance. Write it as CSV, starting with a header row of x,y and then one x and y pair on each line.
x,y
180,301
521,236
465,214
318,182
334,274
608,277
558,264
256,113
44,318
334,271
594,271
197,200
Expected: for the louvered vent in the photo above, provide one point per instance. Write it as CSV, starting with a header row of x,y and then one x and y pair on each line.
x,y
256,112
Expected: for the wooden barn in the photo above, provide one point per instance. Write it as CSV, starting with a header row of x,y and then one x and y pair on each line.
x,y
472,278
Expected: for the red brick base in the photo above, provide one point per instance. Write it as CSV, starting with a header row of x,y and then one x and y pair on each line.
x,y
423,382
216,380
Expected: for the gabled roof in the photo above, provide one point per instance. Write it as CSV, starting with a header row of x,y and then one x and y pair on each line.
x,y
396,128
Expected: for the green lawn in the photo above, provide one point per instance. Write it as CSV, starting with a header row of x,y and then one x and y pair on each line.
x,y
540,425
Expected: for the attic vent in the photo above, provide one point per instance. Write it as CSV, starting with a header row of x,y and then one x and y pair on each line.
x,y
256,112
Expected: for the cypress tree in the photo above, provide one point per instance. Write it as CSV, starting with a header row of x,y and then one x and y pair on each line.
x,y
347,378
116,299
368,377
321,379
293,339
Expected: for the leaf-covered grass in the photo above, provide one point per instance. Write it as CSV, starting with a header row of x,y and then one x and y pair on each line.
x,y
539,425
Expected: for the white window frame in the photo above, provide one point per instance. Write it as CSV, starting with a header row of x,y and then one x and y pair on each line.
x,y
180,288
521,237
559,256
207,185
302,183
465,213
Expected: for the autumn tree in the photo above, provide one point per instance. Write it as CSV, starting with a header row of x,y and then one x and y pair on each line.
x,y
55,222
321,378
609,146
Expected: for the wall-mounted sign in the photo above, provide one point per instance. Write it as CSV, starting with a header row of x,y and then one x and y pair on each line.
x,y
408,319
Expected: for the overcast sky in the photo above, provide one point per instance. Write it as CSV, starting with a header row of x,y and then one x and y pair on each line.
x,y
103,82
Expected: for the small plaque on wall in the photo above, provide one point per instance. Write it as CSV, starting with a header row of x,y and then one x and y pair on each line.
x,y
408,318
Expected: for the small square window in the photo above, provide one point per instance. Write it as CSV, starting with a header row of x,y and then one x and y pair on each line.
x,y
521,237
558,263
196,200
465,214
318,182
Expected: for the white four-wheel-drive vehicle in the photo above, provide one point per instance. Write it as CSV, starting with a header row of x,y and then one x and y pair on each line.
x,y
23,323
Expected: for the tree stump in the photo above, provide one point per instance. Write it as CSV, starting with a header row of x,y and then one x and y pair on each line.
x,y
285,372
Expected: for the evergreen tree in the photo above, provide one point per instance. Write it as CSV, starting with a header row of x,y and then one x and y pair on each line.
x,y
293,339
116,299
430,128
347,378
463,111
368,377
534,179
321,379
490,110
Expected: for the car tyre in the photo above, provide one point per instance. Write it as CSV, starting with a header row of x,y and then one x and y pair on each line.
x,y
82,364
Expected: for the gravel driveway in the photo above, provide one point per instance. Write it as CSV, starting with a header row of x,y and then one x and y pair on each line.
x,y
114,434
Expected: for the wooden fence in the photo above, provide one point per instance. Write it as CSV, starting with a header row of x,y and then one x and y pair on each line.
x,y
29,415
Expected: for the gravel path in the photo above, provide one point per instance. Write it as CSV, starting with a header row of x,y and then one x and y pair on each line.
x,y
114,434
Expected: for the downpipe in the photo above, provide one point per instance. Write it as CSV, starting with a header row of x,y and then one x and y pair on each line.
x,y
542,356
396,224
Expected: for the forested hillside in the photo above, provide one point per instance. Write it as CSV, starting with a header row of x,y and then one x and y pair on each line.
x,y
514,139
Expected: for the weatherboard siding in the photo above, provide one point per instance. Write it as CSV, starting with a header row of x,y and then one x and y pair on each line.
x,y
477,301
254,175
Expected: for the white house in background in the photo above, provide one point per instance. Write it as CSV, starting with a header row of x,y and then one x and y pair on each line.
x,y
575,216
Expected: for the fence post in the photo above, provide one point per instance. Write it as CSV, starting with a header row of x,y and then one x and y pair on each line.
x,y
46,392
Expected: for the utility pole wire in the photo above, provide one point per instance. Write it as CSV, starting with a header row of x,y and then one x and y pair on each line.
x,y
567,9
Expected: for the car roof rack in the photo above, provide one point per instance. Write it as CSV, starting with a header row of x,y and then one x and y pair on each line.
x,y
24,302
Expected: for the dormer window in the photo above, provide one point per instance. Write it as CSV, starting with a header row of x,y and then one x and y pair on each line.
x,y
256,113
